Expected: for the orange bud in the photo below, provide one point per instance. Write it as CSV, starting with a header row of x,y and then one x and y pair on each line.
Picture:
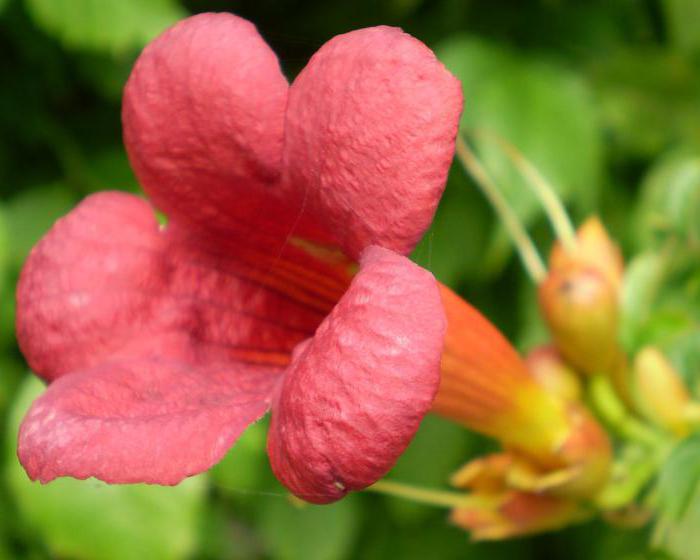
x,y
581,308
659,392
578,468
594,249
588,451
510,495
553,373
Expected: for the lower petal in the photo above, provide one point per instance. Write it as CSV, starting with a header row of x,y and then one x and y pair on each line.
x,y
355,394
141,420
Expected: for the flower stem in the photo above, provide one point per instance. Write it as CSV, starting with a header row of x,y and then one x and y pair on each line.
x,y
528,253
553,207
620,493
438,498
614,413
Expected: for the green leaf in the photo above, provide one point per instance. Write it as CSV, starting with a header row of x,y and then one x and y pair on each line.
x,y
113,26
92,520
31,213
669,204
648,100
682,18
543,109
642,282
679,480
308,532
676,530
681,537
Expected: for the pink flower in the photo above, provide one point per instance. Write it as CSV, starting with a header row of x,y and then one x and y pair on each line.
x,y
162,344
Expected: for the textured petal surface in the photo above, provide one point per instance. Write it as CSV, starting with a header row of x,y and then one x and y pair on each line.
x,y
142,420
107,277
163,346
355,394
203,118
356,153
370,134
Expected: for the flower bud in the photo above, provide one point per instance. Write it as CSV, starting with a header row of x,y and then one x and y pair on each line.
x,y
514,514
553,373
595,249
659,392
581,308
510,495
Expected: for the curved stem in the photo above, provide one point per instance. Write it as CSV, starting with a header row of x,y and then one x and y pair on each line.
x,y
620,493
613,412
553,207
528,253
439,498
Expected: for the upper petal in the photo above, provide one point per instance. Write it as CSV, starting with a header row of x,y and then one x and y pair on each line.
x,y
354,396
370,132
203,116
148,419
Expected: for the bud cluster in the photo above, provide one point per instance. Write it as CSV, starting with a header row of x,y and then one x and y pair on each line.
x,y
556,464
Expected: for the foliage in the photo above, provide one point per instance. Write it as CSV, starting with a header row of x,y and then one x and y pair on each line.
x,y
601,96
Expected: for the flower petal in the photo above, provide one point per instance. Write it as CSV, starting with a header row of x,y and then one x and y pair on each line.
x,y
354,396
142,420
370,132
203,116
106,280
516,514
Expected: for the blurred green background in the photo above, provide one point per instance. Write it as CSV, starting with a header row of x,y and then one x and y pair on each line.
x,y
602,96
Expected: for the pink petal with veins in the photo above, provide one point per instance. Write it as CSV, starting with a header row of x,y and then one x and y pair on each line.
x,y
107,279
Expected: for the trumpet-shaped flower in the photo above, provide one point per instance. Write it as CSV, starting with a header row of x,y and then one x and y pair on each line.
x,y
162,343
486,386
555,456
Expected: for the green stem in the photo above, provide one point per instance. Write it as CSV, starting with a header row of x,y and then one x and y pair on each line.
x,y
613,412
528,253
438,498
621,492
553,207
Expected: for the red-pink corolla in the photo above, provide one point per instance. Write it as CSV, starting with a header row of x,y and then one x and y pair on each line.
x,y
161,344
